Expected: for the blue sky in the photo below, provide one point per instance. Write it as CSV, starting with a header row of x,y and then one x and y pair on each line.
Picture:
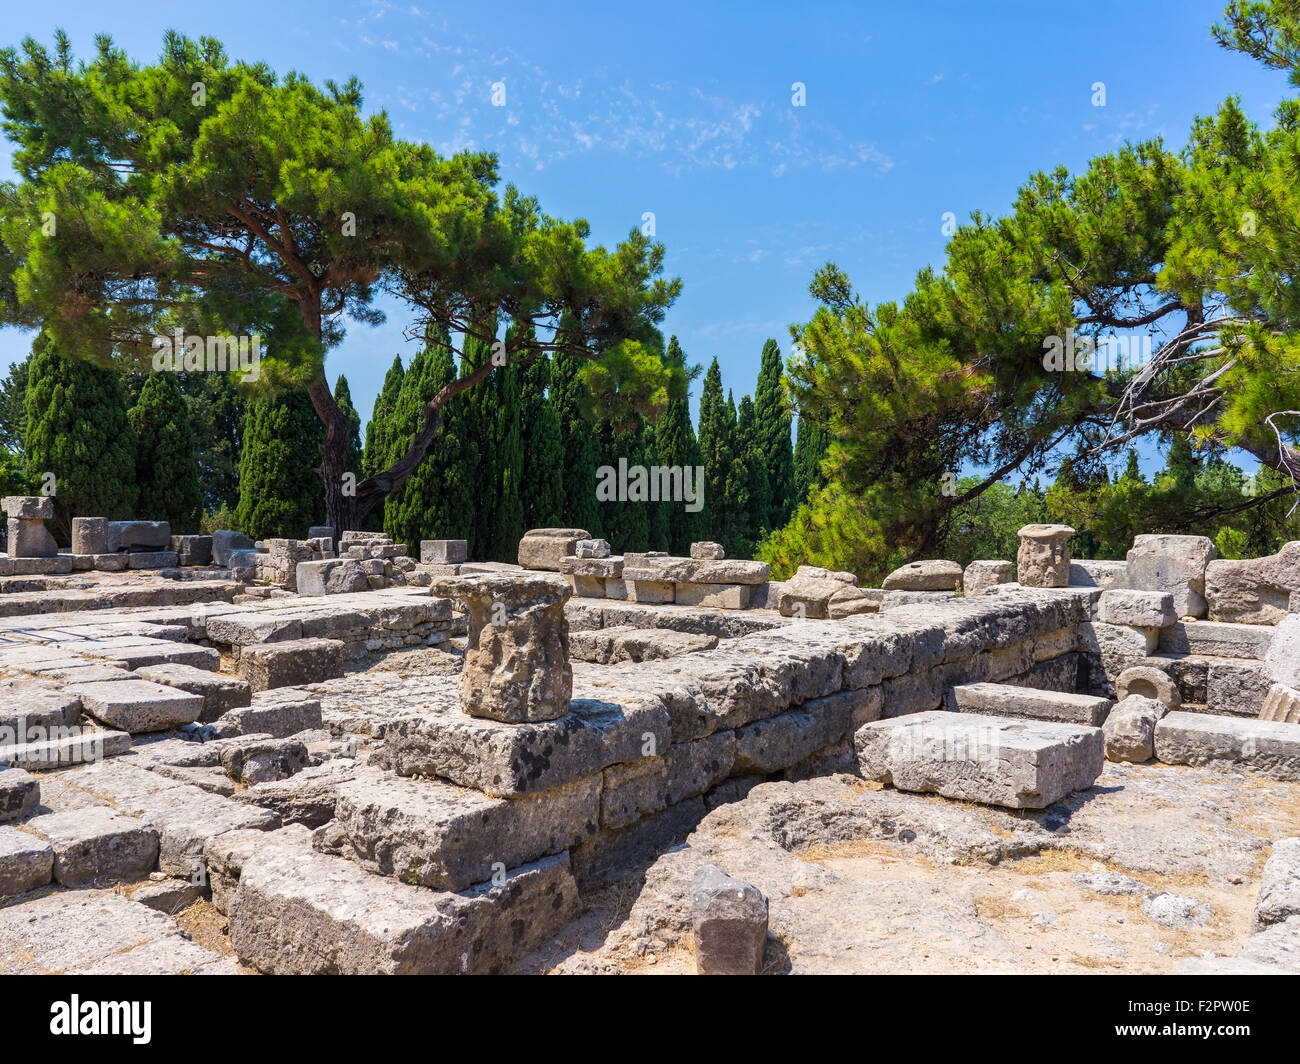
x,y
685,110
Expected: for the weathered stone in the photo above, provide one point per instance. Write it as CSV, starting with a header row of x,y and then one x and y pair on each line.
x,y
1230,743
808,593
1017,764
83,746
26,862
595,568
517,655
543,548
138,705
264,760
850,601
707,550
1149,683
658,567
96,845
168,896
1279,886
187,818
1090,572
1004,700
330,576
308,797
937,575
219,691
19,793
713,596
443,551
308,913
1044,559
651,591
279,718
1238,688
1138,609
1217,640
29,507
1281,704
592,548
30,539
90,535
982,574
1174,910
151,536
1131,727
1282,655
1254,590
158,559
728,924
192,550
225,542
291,663
437,835
1173,564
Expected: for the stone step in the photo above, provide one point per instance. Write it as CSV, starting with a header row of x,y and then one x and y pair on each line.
x,y
19,793
1217,639
1230,744
138,705
438,835
1004,700
1232,685
84,746
95,846
291,662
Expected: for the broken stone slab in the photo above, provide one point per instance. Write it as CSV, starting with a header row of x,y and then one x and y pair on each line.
x,y
655,567
192,550
437,835
19,793
1281,704
728,923
981,574
1282,655
219,691
1173,564
89,535
147,536
808,593
155,652
29,507
1254,590
291,663
1230,743
1090,572
1149,683
1005,700
26,862
138,705
1016,764
330,576
1219,640
1130,728
516,666
443,551
543,548
1138,609
25,704
168,896
225,542
505,760
81,747
97,845
707,550
1279,886
280,718
186,818
1043,559
309,913
936,575
308,797
1237,687
592,548
264,760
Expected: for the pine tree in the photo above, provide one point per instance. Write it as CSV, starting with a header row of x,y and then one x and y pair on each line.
x,y
542,487
810,446
772,437
166,472
78,430
715,452
343,396
676,445
279,491
581,453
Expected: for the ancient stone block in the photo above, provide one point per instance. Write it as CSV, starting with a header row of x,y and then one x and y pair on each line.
x,y
1004,700
850,601
1217,640
979,575
517,654
707,550
1173,564
1281,704
713,596
1089,572
29,507
19,793
219,691
808,593
1282,654
728,923
30,539
935,575
592,548
151,536
331,576
1130,728
138,705
291,663
84,746
158,559
1230,743
1149,683
651,591
1138,609
443,551
1044,559
1017,764
279,718
192,550
543,548
90,535
1237,687
1255,590
26,862
657,566
225,542
96,845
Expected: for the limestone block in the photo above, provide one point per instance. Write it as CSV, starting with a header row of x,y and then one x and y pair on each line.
x,y
90,535
1149,683
1256,590
1230,744
443,551
1173,564
1044,559
707,550
542,548
728,923
982,574
1131,727
1138,609
935,575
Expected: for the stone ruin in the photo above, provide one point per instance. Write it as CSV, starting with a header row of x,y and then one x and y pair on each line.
x,y
347,760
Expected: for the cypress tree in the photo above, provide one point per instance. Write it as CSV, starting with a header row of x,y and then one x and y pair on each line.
x,y
166,471
78,430
507,466
676,445
279,490
749,492
715,452
542,487
405,516
376,450
215,409
810,446
581,452
343,396
772,436
479,428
